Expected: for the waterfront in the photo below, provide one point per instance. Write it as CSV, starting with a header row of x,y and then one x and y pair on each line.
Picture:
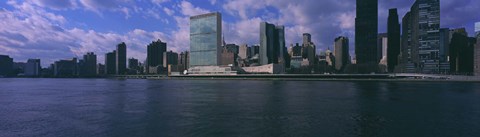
x,y
109,107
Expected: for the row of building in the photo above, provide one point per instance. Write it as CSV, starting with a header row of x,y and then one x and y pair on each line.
x,y
211,55
416,45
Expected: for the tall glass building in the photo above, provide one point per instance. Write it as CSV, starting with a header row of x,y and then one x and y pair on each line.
x,y
205,39
272,44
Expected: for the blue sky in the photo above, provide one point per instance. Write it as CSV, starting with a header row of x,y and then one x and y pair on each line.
x,y
62,29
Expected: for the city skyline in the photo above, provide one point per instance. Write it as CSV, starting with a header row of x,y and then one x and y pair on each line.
x,y
55,32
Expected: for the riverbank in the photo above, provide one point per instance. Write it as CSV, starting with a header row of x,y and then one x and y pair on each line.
x,y
334,77
305,77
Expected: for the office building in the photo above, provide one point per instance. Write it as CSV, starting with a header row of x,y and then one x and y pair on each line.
x,y
170,58
393,32
155,59
445,38
228,58
65,68
205,40
477,58
308,49
183,60
366,31
255,50
462,53
444,50
341,53
272,43
408,60
18,68
33,68
133,64
382,47
232,48
424,34
88,65
297,50
110,63
6,65
100,69
121,59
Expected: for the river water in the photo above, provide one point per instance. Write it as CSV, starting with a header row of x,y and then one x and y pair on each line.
x,y
207,108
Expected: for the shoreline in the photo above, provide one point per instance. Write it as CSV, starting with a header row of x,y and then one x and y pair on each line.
x,y
301,77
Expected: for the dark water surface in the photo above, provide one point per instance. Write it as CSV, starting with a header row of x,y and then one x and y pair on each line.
x,y
178,108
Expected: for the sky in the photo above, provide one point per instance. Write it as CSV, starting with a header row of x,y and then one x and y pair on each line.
x,y
63,29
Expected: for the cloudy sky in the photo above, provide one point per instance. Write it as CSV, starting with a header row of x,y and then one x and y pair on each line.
x,y
62,29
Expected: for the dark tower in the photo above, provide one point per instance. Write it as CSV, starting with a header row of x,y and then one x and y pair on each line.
x,y
366,31
393,32
155,52
121,58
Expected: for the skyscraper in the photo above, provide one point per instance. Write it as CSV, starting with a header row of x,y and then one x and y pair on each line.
x,y
297,50
205,39
88,65
65,68
444,50
425,29
170,58
33,68
366,30
110,63
409,60
340,51
183,60
307,38
272,43
393,33
461,52
121,59
6,65
476,54
382,47
155,52
308,47
133,64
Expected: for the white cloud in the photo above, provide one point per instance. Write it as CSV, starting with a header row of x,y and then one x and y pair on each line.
x,y
213,2
346,20
244,8
159,2
56,5
189,10
29,32
126,11
168,11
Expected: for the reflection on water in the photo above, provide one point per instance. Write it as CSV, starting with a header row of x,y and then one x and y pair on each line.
x,y
99,107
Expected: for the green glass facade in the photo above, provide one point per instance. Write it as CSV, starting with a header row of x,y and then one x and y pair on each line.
x,y
205,39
